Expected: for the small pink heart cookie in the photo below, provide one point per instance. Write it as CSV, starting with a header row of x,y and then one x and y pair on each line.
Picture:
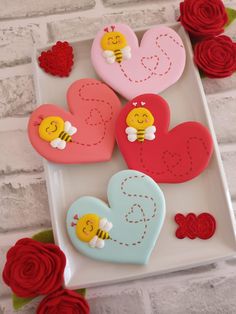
x,y
86,133
132,69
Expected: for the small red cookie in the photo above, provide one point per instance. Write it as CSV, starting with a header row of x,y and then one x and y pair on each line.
x,y
192,226
57,61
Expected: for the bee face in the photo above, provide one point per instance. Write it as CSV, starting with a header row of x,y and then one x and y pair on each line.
x,y
87,227
50,128
140,118
113,41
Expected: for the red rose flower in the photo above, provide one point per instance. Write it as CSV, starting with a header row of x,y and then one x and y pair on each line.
x,y
63,301
34,268
203,18
216,57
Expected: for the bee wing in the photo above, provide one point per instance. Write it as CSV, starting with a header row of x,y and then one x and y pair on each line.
x,y
100,243
130,130
132,133
126,52
69,128
105,225
96,242
58,143
150,133
92,242
109,56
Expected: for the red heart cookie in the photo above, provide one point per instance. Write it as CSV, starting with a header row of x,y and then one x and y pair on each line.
x,y
58,61
86,134
148,146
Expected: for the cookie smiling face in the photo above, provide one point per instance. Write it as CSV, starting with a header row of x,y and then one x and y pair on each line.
x,y
140,118
87,227
50,128
113,41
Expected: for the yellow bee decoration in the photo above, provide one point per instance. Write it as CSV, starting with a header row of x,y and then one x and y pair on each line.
x,y
140,124
92,229
56,131
115,46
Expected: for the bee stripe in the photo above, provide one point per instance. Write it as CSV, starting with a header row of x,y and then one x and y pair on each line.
x,y
99,233
140,132
68,138
64,136
140,135
60,135
118,55
102,234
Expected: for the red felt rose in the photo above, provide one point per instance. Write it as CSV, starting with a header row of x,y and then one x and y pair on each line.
x,y
63,301
34,268
203,18
216,57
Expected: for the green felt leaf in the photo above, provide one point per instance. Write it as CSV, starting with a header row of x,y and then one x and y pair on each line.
x,y
81,291
18,302
44,236
231,16
202,74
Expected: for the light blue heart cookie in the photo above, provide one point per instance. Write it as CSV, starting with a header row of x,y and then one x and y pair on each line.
x,y
125,232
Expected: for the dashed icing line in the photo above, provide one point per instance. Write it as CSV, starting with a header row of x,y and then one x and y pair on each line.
x,y
170,169
102,121
155,68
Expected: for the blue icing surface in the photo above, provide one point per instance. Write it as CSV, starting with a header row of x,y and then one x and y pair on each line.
x,y
137,212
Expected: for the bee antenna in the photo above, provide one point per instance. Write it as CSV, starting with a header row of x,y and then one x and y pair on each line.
x,y
112,28
36,123
143,103
106,29
135,104
76,217
73,224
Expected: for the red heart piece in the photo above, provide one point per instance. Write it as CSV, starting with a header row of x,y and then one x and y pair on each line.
x,y
58,60
192,226
94,109
172,156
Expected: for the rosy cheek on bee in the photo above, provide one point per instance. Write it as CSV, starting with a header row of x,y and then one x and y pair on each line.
x,y
146,120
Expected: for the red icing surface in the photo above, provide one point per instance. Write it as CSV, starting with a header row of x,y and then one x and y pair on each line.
x,y
173,156
58,60
192,226
94,108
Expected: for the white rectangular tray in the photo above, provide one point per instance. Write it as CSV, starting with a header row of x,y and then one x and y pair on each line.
x,y
208,192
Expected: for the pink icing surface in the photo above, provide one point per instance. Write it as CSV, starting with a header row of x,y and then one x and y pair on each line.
x,y
157,63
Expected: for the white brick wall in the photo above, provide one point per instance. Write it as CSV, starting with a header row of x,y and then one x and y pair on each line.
x,y
23,196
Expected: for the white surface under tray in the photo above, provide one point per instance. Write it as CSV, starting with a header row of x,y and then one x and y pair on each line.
x,y
206,193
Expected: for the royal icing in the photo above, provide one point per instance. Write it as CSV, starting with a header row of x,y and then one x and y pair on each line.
x,y
132,69
126,229
86,134
58,60
192,226
147,145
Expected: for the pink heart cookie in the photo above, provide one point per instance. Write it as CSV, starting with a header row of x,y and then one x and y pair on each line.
x,y
147,144
86,133
132,69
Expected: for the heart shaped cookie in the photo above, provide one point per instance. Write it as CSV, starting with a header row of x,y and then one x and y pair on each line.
x,y
58,60
147,145
126,229
86,133
132,69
